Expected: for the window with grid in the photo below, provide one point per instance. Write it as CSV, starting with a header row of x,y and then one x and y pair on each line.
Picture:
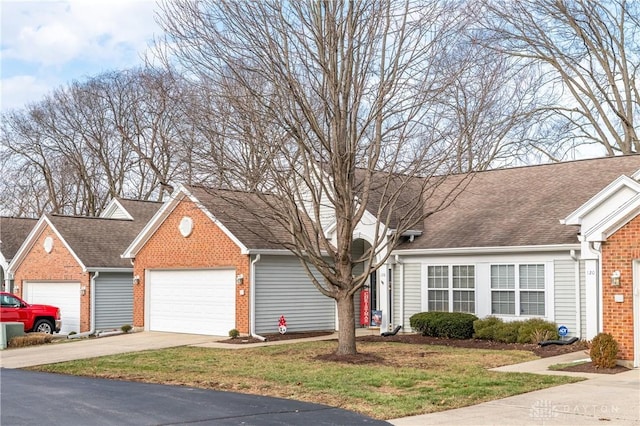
x,y
531,282
503,284
529,295
451,288
464,283
438,288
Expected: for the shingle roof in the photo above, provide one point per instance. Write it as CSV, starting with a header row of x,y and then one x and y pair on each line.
x,y
99,242
13,232
521,206
140,210
245,223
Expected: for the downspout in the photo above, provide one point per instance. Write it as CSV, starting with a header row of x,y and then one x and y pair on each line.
x,y
252,300
401,285
92,295
576,273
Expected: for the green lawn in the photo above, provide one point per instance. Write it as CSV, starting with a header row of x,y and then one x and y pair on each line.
x,y
406,379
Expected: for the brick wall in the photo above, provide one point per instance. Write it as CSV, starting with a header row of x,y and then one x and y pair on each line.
x,y
618,254
59,265
207,247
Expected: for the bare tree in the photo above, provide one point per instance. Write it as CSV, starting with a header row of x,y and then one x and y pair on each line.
x,y
485,113
590,51
328,105
116,134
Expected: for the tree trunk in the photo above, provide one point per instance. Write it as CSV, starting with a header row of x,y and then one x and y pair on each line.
x,y
346,322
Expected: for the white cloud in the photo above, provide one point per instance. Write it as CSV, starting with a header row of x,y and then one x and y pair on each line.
x,y
54,42
20,90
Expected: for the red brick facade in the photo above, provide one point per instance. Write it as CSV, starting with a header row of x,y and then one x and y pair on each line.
x,y
59,265
618,254
207,247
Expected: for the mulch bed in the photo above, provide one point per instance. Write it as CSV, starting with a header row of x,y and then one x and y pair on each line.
x,y
275,337
541,351
588,367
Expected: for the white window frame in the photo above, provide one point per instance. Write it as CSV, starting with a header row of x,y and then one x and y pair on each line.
x,y
518,289
450,289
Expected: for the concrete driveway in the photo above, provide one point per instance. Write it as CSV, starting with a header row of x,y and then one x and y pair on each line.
x,y
68,350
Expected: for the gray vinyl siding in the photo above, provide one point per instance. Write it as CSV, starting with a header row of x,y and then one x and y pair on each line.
x,y
412,296
356,308
114,300
282,287
565,295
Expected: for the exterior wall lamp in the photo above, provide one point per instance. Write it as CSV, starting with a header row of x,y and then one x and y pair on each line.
x,y
615,279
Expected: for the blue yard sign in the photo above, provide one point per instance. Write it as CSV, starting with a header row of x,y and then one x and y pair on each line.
x,y
563,331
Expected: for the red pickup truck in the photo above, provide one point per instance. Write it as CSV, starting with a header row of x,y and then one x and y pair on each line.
x,y
36,318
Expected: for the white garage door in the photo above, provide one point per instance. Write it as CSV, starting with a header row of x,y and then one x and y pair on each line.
x,y
192,301
65,296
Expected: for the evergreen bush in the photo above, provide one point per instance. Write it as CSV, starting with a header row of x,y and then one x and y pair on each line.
x,y
454,325
604,350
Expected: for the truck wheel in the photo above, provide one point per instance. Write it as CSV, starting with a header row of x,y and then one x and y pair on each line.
x,y
43,326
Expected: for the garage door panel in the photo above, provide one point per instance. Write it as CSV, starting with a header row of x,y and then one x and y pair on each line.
x,y
192,301
64,295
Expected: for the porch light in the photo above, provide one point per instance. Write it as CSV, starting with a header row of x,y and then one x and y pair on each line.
x,y
615,279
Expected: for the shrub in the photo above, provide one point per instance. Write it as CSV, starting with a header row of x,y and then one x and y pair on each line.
x,y
126,328
233,333
486,328
454,325
604,350
532,330
535,330
30,339
507,332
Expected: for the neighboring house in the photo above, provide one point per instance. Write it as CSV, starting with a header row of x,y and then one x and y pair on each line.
x,y
532,242
205,265
13,232
542,241
74,263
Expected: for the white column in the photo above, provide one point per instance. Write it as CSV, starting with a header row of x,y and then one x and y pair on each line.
x,y
383,297
592,295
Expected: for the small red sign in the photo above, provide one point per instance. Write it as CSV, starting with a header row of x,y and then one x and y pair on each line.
x,y
364,307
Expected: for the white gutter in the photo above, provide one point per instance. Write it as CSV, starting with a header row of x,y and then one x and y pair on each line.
x,y
92,296
488,250
576,273
252,300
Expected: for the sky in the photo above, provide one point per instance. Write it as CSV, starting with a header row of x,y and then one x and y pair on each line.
x,y
48,44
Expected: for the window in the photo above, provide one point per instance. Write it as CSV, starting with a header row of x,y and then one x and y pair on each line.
x,y
528,296
438,278
464,282
532,290
451,288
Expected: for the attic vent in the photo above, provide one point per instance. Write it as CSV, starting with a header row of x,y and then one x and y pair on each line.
x,y
186,226
48,244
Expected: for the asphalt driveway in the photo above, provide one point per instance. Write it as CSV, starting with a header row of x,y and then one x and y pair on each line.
x,y
34,398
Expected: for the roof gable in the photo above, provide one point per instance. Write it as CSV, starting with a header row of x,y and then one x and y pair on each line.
x,y
124,208
43,223
96,243
608,210
178,196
